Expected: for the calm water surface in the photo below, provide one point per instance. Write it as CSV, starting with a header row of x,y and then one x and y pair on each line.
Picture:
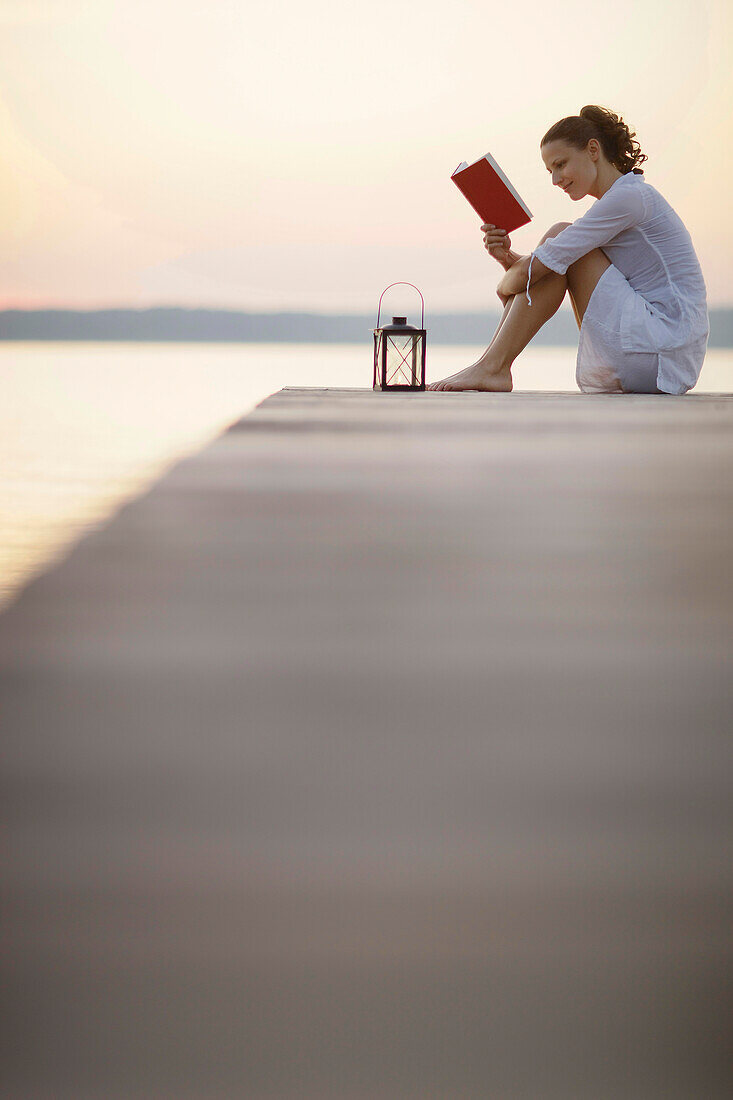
x,y
84,427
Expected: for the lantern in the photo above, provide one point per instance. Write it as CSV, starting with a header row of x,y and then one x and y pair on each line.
x,y
399,352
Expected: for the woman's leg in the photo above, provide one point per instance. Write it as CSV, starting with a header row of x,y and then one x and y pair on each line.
x,y
523,321
473,377
502,319
518,325
551,232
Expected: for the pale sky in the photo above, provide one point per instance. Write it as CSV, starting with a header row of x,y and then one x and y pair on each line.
x,y
297,155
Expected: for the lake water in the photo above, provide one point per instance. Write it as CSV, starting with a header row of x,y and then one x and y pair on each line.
x,y
84,427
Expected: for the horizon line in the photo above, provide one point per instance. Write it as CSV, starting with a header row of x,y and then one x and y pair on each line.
x,y
299,310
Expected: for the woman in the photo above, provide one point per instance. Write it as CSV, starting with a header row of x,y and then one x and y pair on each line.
x,y
635,281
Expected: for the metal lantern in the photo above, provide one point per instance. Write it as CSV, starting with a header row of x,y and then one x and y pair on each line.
x,y
399,351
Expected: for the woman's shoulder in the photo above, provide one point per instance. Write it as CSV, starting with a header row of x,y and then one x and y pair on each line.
x,y
625,185
631,181
657,204
628,194
642,184
635,187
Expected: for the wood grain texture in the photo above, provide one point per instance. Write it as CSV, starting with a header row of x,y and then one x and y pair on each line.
x,y
382,749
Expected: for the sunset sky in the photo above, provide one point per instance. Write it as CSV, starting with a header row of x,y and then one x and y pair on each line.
x,y
297,155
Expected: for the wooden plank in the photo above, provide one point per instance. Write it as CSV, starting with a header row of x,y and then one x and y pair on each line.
x,y
382,749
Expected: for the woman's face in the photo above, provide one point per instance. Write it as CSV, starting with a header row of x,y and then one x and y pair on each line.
x,y
574,170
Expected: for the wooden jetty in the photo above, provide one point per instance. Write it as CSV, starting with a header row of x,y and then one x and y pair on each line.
x,y
382,750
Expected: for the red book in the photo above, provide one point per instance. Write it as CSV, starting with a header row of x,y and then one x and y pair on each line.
x,y
491,194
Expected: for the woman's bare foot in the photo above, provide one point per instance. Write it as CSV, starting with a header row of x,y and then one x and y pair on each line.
x,y
479,376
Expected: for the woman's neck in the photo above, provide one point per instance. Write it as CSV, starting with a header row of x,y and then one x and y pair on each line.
x,y
607,176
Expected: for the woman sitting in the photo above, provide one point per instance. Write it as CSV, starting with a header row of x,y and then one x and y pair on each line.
x,y
634,278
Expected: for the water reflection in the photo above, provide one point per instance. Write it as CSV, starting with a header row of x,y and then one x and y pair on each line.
x,y
85,427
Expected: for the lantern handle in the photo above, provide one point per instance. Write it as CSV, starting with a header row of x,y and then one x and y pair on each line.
x,y
401,283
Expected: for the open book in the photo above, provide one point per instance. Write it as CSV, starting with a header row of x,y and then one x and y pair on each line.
x,y
491,194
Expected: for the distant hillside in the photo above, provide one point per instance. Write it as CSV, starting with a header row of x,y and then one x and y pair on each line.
x,y
209,325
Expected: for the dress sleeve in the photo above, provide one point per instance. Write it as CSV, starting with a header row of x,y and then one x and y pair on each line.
x,y
622,207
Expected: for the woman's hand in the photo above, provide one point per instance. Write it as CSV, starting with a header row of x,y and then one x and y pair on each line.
x,y
497,243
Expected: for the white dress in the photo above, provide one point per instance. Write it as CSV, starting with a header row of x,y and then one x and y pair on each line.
x,y
647,315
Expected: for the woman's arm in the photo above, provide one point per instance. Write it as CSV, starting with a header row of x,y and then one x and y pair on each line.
x,y
510,259
622,207
515,279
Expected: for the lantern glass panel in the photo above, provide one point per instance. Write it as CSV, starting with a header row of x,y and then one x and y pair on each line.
x,y
404,359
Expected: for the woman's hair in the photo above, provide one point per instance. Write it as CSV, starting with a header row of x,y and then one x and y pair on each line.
x,y
614,136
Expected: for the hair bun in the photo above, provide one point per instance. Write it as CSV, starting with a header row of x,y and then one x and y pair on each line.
x,y
609,129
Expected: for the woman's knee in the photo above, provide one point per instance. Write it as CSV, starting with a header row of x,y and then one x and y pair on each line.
x,y
554,230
